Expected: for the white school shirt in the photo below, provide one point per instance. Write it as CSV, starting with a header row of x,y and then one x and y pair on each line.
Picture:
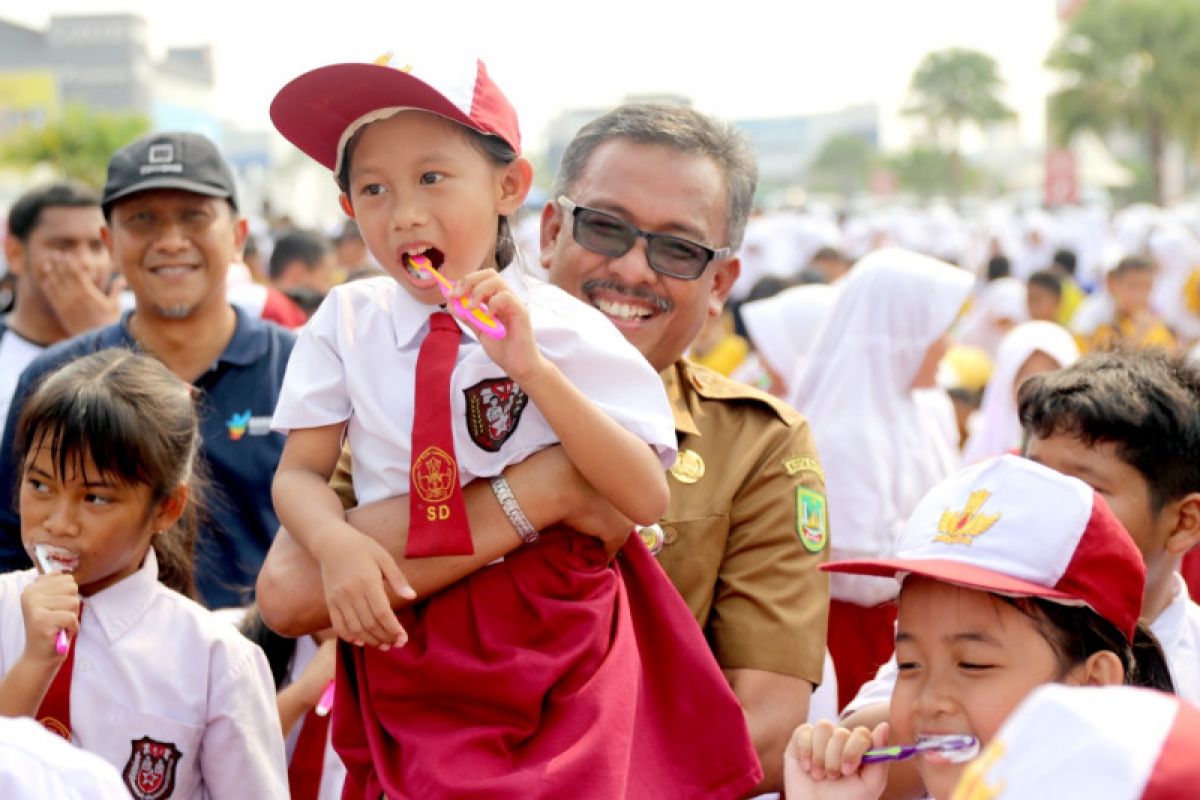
x,y
35,763
15,354
356,360
152,665
1177,629
333,771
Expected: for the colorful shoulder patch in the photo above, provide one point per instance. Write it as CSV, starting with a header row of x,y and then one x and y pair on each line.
x,y
811,520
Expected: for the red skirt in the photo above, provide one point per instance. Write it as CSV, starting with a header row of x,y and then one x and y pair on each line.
x,y
550,674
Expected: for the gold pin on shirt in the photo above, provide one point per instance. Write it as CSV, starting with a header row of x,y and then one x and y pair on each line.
x,y
688,467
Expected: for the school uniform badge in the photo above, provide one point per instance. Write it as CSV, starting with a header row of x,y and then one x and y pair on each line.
x,y
811,519
150,772
493,410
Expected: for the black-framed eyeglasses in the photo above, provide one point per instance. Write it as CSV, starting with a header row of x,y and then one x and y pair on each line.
x,y
612,236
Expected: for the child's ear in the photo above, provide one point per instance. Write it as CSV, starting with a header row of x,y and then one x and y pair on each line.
x,y
344,202
1103,668
171,508
1187,526
513,187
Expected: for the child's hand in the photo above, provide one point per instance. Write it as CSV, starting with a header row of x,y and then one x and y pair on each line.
x,y
49,604
517,353
353,569
824,761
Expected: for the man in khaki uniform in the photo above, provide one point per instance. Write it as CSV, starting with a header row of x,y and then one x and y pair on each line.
x,y
650,207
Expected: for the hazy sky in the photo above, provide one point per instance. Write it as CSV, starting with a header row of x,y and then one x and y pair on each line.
x,y
736,58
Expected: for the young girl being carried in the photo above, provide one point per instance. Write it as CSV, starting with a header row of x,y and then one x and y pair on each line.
x,y
527,678
171,695
1013,576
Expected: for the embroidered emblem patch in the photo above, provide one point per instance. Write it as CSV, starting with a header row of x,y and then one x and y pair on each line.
x,y
493,410
150,772
434,475
237,425
961,527
811,524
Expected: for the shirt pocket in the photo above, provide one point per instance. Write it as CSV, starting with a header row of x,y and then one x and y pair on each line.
x,y
157,756
691,556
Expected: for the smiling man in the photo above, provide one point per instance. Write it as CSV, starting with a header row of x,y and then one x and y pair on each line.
x,y
173,229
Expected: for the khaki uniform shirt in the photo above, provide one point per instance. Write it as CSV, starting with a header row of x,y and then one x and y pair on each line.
x,y
747,526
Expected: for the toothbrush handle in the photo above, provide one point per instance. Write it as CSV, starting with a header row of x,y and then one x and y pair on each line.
x,y
889,754
61,643
325,704
476,317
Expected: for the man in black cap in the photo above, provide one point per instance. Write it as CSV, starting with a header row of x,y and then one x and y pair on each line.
x,y
173,228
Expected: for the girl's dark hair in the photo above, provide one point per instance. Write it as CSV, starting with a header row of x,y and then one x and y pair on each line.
x,y
495,148
280,650
136,421
1076,632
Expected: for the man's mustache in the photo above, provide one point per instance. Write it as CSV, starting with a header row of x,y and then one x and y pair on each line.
x,y
636,293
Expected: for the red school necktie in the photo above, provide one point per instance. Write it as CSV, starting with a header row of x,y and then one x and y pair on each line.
x,y
308,758
437,516
55,711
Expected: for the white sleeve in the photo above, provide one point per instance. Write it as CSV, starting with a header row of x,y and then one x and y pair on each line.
x,y
596,357
241,754
314,391
877,690
37,763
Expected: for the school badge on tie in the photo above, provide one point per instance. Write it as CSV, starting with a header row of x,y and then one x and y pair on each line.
x,y
150,772
811,519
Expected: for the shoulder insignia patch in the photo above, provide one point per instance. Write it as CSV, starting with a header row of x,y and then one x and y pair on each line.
x,y
493,410
811,520
795,466
150,772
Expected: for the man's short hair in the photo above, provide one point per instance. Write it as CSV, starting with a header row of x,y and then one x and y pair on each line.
x,y
298,245
679,128
1146,403
26,213
1065,260
1048,281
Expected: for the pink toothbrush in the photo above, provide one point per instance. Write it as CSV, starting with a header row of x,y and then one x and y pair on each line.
x,y
477,317
325,704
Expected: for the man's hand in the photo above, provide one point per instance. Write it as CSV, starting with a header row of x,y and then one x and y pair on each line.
x,y
77,301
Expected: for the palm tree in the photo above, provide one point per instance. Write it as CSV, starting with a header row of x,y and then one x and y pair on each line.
x,y
1130,65
952,88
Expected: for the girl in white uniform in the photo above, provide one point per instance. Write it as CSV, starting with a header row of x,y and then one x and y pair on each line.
x,y
542,675
149,680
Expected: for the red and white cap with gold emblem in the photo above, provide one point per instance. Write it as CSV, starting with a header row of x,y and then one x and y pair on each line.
x,y
320,110
1014,527
1111,742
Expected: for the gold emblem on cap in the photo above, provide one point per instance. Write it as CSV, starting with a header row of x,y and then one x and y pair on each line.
x,y
384,60
688,466
961,527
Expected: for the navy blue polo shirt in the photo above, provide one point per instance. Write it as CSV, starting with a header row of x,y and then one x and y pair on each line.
x,y
235,401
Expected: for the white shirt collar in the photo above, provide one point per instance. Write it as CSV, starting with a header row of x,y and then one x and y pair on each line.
x,y
119,607
1168,626
409,316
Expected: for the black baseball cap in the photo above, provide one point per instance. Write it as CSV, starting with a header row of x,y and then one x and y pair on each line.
x,y
186,161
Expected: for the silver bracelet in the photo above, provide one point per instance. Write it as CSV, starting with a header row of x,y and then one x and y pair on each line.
x,y
512,510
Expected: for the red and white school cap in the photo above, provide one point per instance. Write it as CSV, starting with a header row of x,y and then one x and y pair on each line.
x,y
1014,527
320,110
1110,742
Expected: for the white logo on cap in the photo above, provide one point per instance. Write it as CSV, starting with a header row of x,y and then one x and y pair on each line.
x,y
161,153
